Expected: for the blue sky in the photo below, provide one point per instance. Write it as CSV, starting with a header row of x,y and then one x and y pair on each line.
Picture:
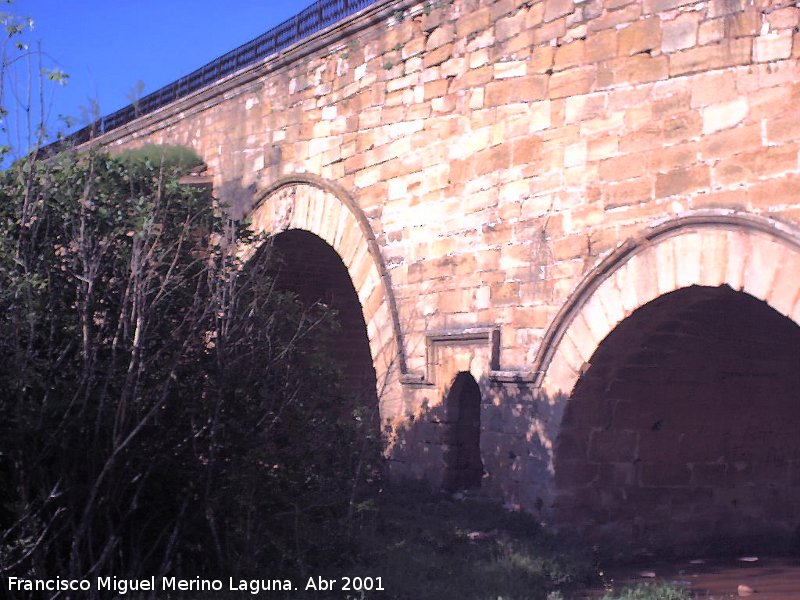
x,y
107,46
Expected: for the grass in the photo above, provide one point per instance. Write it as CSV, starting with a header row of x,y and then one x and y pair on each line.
x,y
427,545
650,591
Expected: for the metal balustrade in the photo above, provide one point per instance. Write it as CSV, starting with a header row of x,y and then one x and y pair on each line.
x,y
316,17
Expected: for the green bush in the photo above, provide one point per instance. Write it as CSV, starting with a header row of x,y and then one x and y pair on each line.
x,y
171,157
162,406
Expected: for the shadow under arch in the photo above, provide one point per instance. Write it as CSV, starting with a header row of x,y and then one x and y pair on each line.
x,y
309,203
310,268
681,434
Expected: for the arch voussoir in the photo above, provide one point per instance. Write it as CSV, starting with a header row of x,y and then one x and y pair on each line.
x,y
665,266
784,294
642,270
582,337
610,298
746,253
688,253
330,221
596,318
763,264
714,258
738,250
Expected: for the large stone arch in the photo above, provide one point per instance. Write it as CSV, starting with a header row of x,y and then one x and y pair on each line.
x,y
309,203
741,264
758,256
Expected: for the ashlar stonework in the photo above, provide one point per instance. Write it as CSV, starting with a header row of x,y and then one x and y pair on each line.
x,y
591,207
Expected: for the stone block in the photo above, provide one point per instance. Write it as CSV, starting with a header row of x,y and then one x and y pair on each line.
x,y
508,69
669,158
656,6
718,8
572,82
553,9
600,46
711,31
582,337
786,290
738,250
665,266
712,88
688,258
707,58
742,139
435,89
596,318
510,26
572,474
724,115
755,165
622,167
584,107
682,181
523,89
641,68
773,46
680,33
629,192
642,278
763,265
713,264
664,474
442,35
473,21
549,32
682,127
640,36
613,19
614,445
569,55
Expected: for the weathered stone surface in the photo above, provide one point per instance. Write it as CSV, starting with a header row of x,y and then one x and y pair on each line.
x,y
640,36
480,165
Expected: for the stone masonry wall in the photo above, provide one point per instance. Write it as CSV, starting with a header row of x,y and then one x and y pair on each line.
x,y
499,152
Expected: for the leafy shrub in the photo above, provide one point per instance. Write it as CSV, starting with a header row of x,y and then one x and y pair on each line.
x,y
651,591
178,158
163,406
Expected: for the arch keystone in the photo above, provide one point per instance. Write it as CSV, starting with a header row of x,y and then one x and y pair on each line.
x,y
688,252
738,249
714,259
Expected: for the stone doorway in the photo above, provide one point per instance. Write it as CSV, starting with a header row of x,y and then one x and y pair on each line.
x,y
462,457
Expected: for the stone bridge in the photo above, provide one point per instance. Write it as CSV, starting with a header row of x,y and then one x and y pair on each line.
x,y
563,238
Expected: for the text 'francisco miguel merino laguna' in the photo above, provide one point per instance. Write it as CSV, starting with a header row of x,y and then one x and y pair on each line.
x,y
168,584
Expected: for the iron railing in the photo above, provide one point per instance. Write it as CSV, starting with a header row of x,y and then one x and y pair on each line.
x,y
316,17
